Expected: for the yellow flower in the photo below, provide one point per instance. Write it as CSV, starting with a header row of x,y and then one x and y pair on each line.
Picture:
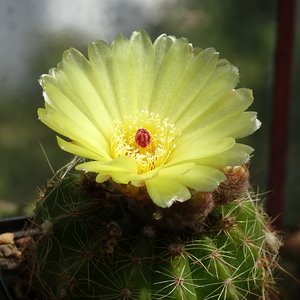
x,y
163,115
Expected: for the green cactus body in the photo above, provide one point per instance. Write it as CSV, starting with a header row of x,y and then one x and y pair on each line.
x,y
93,245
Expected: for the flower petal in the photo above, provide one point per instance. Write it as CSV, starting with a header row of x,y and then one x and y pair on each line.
x,y
126,72
100,56
222,81
71,115
171,59
80,150
74,131
202,178
83,81
119,169
124,75
223,112
168,172
197,148
77,81
139,179
239,154
165,191
177,170
143,57
194,78
101,178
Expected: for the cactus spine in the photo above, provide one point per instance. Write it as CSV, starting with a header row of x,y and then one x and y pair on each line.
x,y
95,242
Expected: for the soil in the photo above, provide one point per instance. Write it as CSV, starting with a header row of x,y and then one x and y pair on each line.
x,y
15,275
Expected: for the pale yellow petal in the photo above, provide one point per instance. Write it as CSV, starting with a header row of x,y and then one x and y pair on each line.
x,y
126,72
223,81
197,73
177,170
102,178
118,169
168,172
171,59
80,150
226,118
139,179
100,56
119,163
165,191
239,154
74,131
124,76
242,126
223,111
83,81
72,79
201,147
143,58
59,103
202,178
161,47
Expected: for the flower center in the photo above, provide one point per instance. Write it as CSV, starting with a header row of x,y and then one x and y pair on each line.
x,y
145,138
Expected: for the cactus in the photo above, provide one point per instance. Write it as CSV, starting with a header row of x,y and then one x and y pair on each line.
x,y
159,205
95,242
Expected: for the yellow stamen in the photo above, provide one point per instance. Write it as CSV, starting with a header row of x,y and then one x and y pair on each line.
x,y
154,150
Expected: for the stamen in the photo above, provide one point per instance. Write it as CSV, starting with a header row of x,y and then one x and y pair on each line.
x,y
143,138
151,147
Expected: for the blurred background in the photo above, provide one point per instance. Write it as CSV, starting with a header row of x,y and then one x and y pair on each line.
x,y
34,34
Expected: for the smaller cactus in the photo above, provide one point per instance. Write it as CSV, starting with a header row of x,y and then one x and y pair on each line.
x,y
94,245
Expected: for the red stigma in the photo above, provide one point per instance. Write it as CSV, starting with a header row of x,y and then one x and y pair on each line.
x,y
142,138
